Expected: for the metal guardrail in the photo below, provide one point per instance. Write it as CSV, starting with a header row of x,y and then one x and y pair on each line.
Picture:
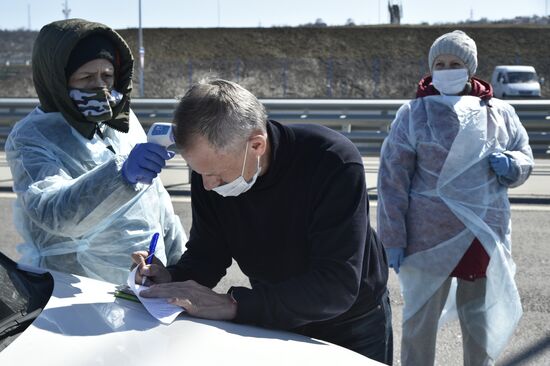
x,y
364,121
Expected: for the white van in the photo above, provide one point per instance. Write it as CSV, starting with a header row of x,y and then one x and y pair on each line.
x,y
514,81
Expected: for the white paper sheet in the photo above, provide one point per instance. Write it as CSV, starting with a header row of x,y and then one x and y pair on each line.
x,y
157,307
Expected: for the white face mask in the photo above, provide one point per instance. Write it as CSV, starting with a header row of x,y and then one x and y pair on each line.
x,y
450,81
239,185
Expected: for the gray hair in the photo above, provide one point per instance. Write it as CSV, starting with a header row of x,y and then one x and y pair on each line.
x,y
223,112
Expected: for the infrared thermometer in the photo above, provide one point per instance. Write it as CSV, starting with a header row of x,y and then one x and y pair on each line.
x,y
161,133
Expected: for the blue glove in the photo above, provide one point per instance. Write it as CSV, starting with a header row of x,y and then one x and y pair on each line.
x,y
501,164
145,162
395,257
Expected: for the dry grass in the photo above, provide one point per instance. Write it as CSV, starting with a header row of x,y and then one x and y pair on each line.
x,y
338,62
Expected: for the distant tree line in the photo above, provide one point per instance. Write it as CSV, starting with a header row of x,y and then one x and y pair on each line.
x,y
534,19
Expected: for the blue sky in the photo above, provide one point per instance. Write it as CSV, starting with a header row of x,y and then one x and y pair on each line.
x,y
252,13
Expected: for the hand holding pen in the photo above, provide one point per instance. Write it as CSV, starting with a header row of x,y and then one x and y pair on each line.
x,y
150,267
150,253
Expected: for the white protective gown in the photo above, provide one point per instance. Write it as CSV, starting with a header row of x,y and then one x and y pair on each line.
x,y
74,210
436,192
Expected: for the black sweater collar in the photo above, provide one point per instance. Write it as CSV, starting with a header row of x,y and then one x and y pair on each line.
x,y
281,139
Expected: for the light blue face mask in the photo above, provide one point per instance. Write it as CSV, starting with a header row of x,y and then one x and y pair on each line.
x,y
239,185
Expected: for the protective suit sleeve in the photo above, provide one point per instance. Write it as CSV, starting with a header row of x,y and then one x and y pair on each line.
x,y
174,234
397,164
518,150
59,203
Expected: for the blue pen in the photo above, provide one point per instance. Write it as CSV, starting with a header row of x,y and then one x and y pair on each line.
x,y
152,247
151,253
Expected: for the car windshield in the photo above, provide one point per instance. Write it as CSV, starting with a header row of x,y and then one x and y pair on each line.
x,y
522,77
23,295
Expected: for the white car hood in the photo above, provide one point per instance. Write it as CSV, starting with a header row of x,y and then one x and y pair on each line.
x,y
84,324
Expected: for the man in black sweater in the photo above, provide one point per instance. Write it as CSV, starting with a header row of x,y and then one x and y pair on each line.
x,y
290,205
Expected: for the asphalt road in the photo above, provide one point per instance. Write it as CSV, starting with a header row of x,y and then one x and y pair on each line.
x,y
530,345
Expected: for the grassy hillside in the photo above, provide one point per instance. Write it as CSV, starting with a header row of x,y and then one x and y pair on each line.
x,y
337,62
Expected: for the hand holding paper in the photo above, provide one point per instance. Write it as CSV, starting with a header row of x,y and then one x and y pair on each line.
x,y
197,300
159,308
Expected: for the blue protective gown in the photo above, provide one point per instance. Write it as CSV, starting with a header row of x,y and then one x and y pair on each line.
x,y
436,192
74,210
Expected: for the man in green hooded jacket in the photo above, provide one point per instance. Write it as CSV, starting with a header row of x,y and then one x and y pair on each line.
x,y
86,180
